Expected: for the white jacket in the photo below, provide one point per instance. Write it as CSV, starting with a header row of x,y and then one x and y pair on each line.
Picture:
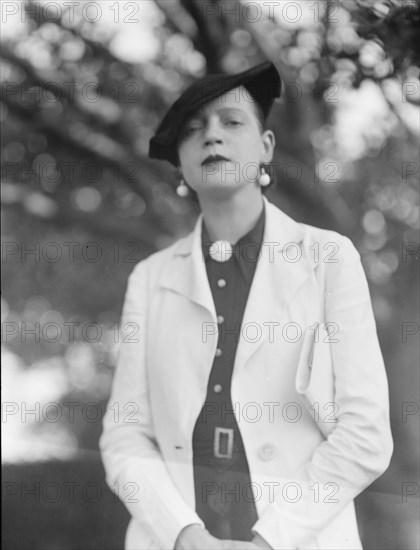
x,y
304,482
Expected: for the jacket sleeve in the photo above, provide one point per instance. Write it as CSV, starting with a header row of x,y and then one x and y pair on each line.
x,y
132,460
359,448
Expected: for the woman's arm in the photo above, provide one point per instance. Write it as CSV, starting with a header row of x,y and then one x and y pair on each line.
x,y
133,464
360,447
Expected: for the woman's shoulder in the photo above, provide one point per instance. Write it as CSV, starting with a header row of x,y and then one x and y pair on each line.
x,y
318,236
154,263
309,235
330,249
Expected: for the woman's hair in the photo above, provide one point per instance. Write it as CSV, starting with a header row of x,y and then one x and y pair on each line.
x,y
260,116
262,127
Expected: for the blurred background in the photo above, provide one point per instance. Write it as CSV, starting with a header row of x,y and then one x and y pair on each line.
x,y
84,86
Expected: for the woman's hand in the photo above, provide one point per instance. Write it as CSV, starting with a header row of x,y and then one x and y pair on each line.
x,y
257,543
240,545
194,537
261,543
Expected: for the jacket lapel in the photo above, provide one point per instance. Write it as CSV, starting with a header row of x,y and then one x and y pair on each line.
x,y
281,270
186,273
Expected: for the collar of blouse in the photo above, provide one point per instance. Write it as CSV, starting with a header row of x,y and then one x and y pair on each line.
x,y
245,252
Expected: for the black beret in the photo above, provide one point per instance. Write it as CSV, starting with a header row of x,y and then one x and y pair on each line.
x,y
262,81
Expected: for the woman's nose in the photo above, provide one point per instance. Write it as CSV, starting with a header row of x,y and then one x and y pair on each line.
x,y
212,132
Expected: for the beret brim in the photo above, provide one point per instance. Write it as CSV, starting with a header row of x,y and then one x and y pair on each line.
x,y
262,81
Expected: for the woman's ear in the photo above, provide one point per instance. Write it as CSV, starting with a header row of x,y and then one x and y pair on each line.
x,y
269,142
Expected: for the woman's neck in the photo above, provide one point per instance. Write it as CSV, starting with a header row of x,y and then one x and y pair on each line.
x,y
231,218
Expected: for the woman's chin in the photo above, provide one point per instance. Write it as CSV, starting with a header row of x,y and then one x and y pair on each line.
x,y
218,185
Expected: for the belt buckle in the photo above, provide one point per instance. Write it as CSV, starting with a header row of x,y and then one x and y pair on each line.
x,y
223,442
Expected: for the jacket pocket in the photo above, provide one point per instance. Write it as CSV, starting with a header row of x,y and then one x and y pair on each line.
x,y
315,378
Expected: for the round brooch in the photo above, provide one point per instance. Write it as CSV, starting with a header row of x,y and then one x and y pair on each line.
x,y
221,251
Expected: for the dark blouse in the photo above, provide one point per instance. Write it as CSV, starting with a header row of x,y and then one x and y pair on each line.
x,y
224,498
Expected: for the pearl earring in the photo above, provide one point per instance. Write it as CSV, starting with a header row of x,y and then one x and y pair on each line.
x,y
182,189
264,179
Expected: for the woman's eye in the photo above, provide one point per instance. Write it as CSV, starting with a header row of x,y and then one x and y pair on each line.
x,y
234,122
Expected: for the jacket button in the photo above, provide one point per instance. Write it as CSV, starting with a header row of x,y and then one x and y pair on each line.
x,y
218,352
221,283
267,451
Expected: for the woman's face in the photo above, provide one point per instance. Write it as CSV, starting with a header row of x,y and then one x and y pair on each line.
x,y
227,126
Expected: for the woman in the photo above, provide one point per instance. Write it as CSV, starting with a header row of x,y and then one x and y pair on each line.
x,y
219,441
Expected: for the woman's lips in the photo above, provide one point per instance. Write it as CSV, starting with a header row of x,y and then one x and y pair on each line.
x,y
213,159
